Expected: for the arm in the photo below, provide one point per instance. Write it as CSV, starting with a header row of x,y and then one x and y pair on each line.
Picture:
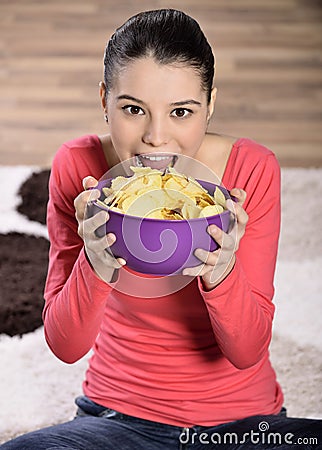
x,y
240,306
75,296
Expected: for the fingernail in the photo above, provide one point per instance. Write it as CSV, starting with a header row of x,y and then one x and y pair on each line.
x,y
110,239
85,181
212,229
199,253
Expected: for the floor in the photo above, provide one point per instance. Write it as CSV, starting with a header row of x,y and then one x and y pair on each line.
x,y
269,72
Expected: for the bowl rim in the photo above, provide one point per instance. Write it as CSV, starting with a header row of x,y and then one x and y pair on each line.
x,y
152,219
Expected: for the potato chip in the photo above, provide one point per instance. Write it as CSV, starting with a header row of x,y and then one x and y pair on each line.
x,y
165,195
142,206
144,171
155,180
118,183
194,188
156,214
171,214
108,191
176,199
204,200
126,202
211,210
219,197
174,183
190,211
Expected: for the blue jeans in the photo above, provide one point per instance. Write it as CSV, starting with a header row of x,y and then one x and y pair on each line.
x,y
98,428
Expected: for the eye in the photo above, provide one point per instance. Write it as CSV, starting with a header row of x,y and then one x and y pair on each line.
x,y
133,110
181,112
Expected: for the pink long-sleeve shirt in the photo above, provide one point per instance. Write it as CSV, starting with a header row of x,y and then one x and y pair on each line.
x,y
191,357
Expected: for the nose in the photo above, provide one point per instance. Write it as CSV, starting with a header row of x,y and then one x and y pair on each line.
x,y
155,133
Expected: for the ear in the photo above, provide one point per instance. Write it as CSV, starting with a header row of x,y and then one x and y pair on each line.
x,y
102,93
211,106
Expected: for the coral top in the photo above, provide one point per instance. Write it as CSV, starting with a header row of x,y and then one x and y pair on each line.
x,y
188,358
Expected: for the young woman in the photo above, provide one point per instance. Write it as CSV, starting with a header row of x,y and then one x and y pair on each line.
x,y
183,369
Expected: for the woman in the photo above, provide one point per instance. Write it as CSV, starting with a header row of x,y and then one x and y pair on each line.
x,y
187,368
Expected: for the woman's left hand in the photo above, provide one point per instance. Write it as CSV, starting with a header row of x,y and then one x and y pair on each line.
x,y
218,264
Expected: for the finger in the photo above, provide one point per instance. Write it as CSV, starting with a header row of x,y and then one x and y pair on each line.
x,y
100,254
237,209
94,222
121,261
216,233
214,259
236,205
82,200
89,182
99,251
112,260
206,257
241,215
194,271
239,194
98,245
198,271
224,240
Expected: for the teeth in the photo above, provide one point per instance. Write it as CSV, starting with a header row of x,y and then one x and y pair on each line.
x,y
142,159
155,158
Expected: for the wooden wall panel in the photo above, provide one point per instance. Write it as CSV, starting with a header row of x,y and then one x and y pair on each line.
x,y
269,72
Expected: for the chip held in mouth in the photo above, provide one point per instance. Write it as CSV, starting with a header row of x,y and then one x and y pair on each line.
x,y
166,195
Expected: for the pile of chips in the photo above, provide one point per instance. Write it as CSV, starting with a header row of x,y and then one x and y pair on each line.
x,y
167,195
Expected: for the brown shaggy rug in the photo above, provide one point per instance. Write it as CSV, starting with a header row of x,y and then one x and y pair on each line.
x,y
24,262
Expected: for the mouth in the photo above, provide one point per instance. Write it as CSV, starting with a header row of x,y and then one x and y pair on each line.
x,y
158,161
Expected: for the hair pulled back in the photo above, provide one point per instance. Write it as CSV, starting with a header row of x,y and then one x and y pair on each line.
x,y
169,36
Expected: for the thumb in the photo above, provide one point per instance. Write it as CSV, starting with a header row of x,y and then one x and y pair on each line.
x,y
239,194
89,182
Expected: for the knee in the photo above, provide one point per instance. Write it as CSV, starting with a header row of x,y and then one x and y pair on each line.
x,y
37,440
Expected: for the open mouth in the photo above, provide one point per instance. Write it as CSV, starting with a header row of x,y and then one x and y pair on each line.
x,y
158,161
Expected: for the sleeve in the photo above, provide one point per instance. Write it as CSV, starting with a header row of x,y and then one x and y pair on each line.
x,y
75,296
240,307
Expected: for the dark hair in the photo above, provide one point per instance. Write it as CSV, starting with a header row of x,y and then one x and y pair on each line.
x,y
167,35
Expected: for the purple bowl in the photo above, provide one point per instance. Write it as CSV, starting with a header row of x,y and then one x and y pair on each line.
x,y
160,247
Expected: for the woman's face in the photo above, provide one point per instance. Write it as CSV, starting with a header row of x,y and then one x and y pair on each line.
x,y
155,108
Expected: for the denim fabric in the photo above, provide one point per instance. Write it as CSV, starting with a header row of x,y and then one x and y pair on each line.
x,y
98,428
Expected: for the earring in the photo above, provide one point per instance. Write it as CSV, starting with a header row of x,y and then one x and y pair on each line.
x,y
106,118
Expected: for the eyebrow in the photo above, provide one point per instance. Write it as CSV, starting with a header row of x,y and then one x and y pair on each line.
x,y
180,103
129,97
186,102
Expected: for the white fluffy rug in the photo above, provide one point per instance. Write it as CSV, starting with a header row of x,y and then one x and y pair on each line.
x,y
37,389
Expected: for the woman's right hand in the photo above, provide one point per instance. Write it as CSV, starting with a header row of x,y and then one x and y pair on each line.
x,y
103,263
